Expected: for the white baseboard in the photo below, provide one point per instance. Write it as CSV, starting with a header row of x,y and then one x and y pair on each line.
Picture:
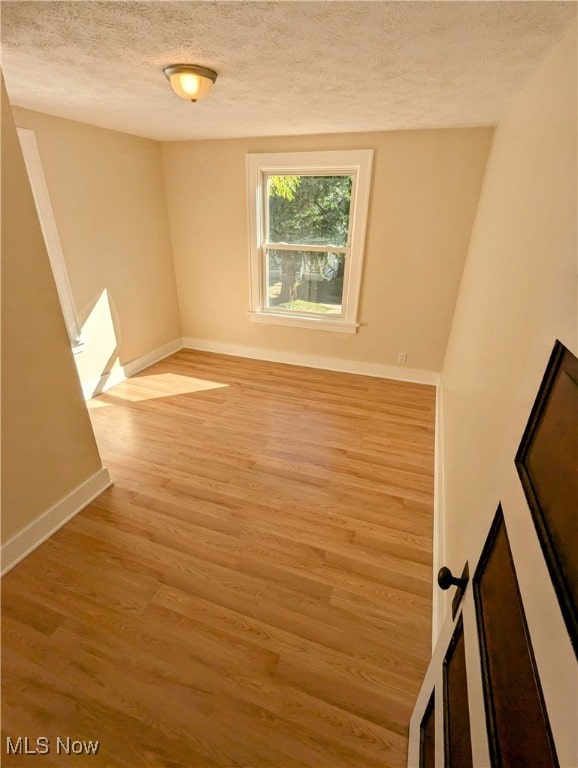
x,y
438,597
94,387
378,370
40,529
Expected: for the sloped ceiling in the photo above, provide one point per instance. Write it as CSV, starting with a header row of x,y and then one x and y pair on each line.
x,y
284,67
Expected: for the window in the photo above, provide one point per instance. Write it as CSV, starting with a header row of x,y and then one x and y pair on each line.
x,y
307,215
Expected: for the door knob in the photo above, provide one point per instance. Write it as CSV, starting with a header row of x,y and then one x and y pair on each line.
x,y
446,579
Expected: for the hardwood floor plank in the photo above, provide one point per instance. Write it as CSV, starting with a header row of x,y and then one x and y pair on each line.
x,y
254,590
365,702
30,612
125,713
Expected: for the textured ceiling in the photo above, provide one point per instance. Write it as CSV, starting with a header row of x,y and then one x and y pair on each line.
x,y
284,67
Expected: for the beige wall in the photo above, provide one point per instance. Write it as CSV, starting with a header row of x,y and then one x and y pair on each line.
x,y
424,195
48,447
518,295
107,193
518,292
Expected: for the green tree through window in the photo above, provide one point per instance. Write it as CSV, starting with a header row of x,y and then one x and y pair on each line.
x,y
307,210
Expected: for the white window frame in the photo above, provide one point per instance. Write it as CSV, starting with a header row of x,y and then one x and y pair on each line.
x,y
43,204
354,163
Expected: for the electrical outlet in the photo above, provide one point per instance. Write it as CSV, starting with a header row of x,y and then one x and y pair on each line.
x,y
401,357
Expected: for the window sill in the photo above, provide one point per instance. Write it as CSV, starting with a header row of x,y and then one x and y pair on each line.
x,y
300,321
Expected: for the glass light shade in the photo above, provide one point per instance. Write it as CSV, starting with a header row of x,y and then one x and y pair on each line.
x,y
189,81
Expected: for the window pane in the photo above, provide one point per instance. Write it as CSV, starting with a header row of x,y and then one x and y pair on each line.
x,y
305,281
309,210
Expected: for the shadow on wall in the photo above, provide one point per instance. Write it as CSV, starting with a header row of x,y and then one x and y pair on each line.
x,y
96,355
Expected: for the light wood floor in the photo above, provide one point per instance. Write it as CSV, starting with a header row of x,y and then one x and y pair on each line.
x,y
255,590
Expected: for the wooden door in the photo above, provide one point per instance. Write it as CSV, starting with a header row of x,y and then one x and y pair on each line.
x,y
487,670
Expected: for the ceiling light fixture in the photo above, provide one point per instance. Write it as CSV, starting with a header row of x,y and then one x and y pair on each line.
x,y
190,81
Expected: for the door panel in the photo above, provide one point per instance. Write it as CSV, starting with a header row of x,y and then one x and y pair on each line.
x,y
518,728
427,736
457,737
547,462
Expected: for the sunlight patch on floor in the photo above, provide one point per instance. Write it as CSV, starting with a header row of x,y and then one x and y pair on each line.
x,y
153,386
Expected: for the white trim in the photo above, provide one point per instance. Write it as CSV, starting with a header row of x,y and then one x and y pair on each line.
x,y
305,247
439,603
321,323
40,529
41,195
94,387
358,367
355,163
